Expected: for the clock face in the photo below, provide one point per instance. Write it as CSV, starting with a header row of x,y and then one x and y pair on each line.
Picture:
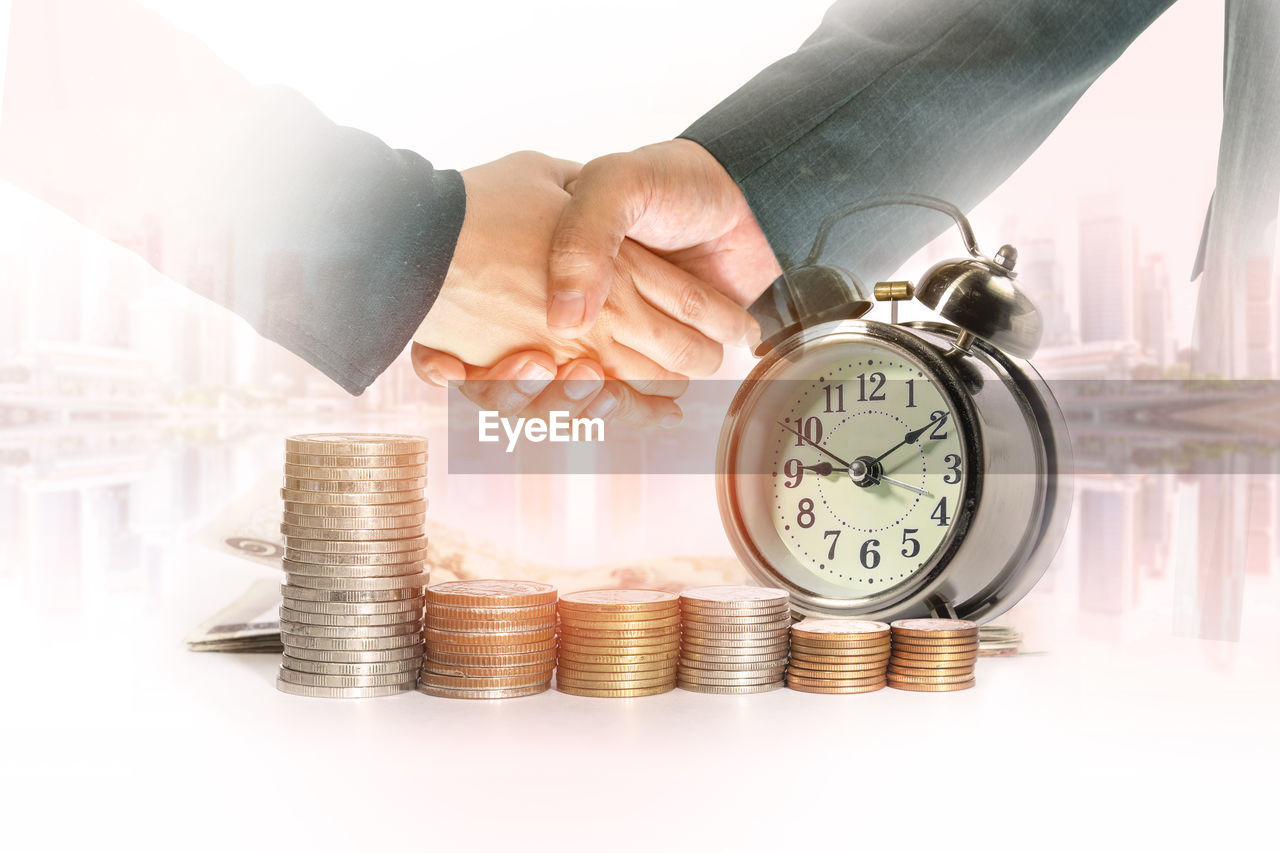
x,y
858,469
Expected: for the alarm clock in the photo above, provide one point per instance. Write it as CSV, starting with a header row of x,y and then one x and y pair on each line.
x,y
887,470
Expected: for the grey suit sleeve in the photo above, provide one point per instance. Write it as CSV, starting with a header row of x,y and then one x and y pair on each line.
x,y
892,96
325,239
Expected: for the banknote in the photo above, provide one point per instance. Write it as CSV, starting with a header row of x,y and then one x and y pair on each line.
x,y
251,623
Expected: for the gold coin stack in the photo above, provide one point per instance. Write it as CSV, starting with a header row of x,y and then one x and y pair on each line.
x,y
618,642
838,656
489,639
355,548
933,655
734,639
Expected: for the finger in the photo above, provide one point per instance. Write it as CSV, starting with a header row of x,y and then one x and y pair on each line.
x,y
639,410
686,298
641,373
509,385
608,200
435,367
574,388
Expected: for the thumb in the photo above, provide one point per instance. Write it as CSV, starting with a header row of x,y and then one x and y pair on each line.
x,y
609,197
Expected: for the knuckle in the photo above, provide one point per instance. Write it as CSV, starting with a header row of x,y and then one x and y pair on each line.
x,y
684,355
693,303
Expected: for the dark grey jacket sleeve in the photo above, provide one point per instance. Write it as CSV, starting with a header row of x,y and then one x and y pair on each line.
x,y
325,239
943,97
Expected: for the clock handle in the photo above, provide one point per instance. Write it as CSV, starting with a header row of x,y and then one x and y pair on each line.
x,y
807,296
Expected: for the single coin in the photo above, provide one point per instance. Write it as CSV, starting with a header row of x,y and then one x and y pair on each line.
x,y
899,670
711,646
865,688
348,644
805,681
570,655
441,650
733,636
617,599
326,668
505,638
737,596
391,534
491,593
349,620
625,678
839,628
498,659
646,666
670,631
709,610
838,645
353,499
507,693
934,628
931,688
408,595
606,620
726,690
354,475
543,669
353,525
434,679
355,444
843,660
809,666
930,679
633,693
354,487
342,692
412,581
464,611
369,632
939,657
932,664
731,656
324,546
315,558
411,653
401,461
715,666
318,680
568,646
697,676
745,623
310,509
344,608
566,679
351,572
475,626
935,649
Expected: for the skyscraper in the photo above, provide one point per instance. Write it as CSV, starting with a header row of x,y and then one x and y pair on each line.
x,y
1106,273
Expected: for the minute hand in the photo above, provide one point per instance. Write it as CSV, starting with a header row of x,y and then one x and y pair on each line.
x,y
805,439
914,436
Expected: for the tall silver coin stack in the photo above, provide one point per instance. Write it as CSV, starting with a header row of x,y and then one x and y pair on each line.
x,y
734,639
355,564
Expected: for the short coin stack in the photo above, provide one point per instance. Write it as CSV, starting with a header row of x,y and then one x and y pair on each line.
x,y
838,656
933,655
618,642
489,639
354,512
734,639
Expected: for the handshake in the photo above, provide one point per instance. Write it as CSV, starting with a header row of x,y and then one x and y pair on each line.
x,y
597,289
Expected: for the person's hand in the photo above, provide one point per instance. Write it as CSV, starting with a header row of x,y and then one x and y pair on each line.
x,y
528,384
676,200
656,325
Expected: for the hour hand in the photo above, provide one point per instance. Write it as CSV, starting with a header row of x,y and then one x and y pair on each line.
x,y
814,444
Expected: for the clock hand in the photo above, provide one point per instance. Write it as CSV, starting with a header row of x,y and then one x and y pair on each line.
x,y
822,469
914,436
883,479
814,444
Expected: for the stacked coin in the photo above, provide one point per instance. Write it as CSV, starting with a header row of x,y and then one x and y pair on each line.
x,y
734,639
933,655
354,513
489,639
618,642
838,656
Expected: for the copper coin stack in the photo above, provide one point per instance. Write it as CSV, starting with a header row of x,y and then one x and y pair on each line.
x,y
618,642
489,639
734,639
354,562
933,655
838,656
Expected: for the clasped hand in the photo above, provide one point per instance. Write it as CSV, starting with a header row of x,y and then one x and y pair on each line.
x,y
622,278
